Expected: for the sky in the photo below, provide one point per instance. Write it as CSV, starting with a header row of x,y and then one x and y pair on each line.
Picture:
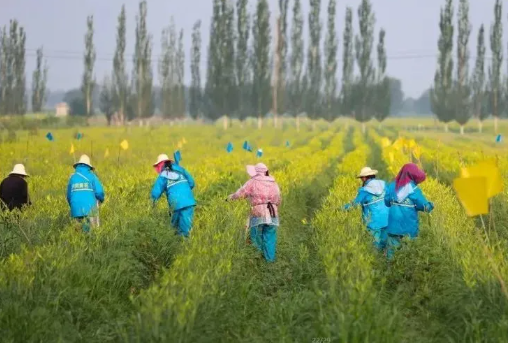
x,y
59,26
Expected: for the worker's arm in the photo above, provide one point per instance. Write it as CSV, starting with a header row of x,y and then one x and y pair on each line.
x,y
360,198
421,203
242,193
98,189
69,188
186,174
389,198
158,188
24,194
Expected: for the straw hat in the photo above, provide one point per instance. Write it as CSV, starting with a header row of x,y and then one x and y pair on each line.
x,y
18,169
84,159
367,171
161,158
259,168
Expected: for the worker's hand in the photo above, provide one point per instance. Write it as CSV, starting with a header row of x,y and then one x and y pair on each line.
x,y
429,207
347,207
229,198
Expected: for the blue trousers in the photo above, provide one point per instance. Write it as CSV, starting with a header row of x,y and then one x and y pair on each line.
x,y
182,219
380,237
264,238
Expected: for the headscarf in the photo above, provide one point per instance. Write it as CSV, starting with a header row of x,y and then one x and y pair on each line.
x,y
161,165
258,172
409,172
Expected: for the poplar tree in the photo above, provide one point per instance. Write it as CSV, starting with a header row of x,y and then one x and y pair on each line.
x,y
442,91
242,57
364,42
478,82
296,63
39,80
331,47
166,72
313,98
180,74
228,80
19,69
282,52
462,96
195,89
346,94
88,83
261,60
382,97
120,81
4,71
142,74
496,47
214,65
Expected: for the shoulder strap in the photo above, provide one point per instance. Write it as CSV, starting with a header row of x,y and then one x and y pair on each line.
x,y
83,176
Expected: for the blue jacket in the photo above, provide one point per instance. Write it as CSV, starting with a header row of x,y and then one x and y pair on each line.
x,y
404,206
374,210
177,184
84,191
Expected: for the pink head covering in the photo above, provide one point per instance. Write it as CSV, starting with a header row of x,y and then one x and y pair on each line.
x,y
409,172
258,172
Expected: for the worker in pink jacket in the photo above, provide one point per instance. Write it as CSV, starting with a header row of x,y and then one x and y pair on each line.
x,y
264,195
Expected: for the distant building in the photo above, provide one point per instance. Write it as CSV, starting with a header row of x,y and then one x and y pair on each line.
x,y
62,109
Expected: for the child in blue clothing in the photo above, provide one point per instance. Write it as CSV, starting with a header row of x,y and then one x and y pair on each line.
x,y
374,211
177,184
405,199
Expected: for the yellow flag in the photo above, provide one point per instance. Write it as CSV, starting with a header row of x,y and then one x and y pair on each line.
x,y
417,152
106,153
472,193
72,150
490,171
124,145
180,145
184,141
385,142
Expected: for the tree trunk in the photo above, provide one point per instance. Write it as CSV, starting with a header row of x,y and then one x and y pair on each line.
x,y
260,122
225,123
297,124
462,129
480,126
446,127
496,122
242,124
275,121
314,125
364,128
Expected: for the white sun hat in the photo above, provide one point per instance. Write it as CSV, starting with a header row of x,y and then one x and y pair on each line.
x,y
18,169
367,171
161,158
84,159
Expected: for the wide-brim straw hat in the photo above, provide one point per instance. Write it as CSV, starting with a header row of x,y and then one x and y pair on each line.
x,y
259,168
367,171
84,159
18,169
161,158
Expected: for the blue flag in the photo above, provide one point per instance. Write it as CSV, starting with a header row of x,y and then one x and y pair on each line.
x,y
259,153
245,145
229,148
249,148
50,137
178,157
499,139
79,135
287,144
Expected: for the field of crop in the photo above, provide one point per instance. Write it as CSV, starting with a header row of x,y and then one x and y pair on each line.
x,y
133,280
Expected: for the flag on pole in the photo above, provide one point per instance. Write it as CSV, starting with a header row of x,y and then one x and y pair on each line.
x,y
124,145
245,145
177,156
180,144
72,150
490,171
50,137
229,147
472,193
78,136
287,144
184,141
499,138
259,153
106,153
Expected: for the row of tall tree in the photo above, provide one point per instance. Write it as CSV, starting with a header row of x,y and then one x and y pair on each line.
x,y
457,94
13,97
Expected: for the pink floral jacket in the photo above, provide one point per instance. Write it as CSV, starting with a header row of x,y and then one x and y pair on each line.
x,y
261,190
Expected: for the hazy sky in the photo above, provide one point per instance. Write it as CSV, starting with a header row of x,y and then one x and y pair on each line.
x,y
59,26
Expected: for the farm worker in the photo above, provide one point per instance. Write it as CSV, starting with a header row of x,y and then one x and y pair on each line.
x,y
14,189
264,195
374,211
177,184
405,200
84,194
